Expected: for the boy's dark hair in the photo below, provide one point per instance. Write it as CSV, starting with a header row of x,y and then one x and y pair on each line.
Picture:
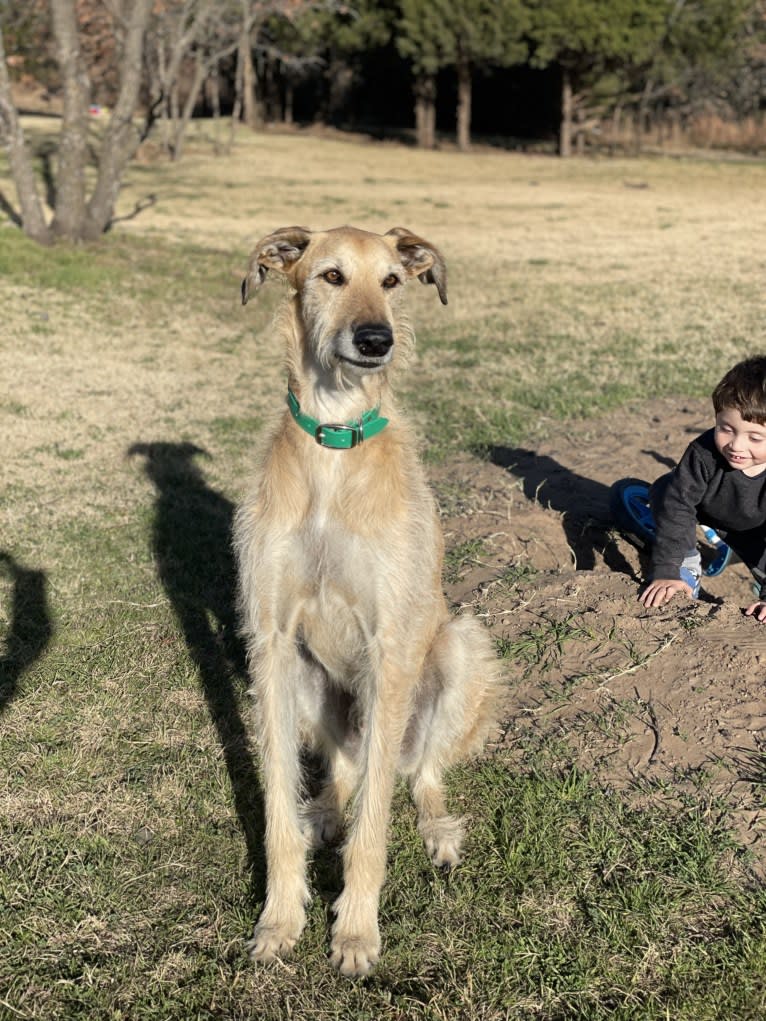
x,y
743,388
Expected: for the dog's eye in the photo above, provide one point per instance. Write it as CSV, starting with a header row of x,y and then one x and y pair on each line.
x,y
391,281
334,277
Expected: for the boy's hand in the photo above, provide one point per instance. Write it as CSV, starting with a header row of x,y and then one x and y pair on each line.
x,y
662,590
757,610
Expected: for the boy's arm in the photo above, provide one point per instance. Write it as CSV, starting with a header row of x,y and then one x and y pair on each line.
x,y
674,505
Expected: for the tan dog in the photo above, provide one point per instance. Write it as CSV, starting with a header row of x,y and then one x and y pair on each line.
x,y
352,648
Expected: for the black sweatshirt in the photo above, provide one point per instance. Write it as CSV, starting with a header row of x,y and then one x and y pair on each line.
x,y
704,488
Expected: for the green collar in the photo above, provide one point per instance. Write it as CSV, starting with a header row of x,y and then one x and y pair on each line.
x,y
335,435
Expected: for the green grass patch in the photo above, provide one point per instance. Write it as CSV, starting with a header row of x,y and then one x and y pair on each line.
x,y
132,836
459,558
541,645
569,904
149,270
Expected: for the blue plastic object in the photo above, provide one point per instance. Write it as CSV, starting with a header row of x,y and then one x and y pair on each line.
x,y
632,513
723,552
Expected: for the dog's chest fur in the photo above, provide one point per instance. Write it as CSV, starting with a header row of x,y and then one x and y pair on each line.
x,y
356,557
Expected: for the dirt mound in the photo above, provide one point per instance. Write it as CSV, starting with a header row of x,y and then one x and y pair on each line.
x,y
668,701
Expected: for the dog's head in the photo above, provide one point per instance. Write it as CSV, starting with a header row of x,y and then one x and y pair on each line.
x,y
349,284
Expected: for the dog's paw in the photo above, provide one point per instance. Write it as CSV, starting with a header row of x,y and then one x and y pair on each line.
x,y
355,946
443,838
321,825
271,941
269,944
354,956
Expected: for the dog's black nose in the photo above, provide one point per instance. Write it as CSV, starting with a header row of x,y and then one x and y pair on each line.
x,y
373,340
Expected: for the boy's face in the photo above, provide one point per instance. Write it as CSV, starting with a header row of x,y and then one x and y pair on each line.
x,y
742,443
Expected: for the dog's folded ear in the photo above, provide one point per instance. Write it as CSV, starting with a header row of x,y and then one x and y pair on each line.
x,y
279,250
420,258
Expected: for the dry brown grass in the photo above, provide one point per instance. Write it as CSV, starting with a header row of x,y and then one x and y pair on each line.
x,y
537,249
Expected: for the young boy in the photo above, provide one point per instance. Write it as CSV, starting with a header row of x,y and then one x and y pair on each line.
x,y
720,481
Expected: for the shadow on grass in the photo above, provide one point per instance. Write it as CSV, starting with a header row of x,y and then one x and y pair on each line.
x,y
192,545
751,764
582,502
30,629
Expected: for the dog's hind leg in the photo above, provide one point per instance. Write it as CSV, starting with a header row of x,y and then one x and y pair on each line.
x,y
323,815
276,671
442,833
451,723
335,736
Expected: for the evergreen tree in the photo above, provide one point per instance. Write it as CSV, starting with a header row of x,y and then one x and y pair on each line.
x,y
702,43
586,38
464,34
420,37
340,34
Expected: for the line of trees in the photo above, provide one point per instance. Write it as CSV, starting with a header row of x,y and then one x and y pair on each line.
x,y
609,53
151,61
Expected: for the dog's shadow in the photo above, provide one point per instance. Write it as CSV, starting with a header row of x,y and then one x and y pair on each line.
x,y
30,625
582,502
191,539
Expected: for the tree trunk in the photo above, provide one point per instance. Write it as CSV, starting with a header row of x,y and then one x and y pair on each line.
x,y
425,111
182,122
12,136
164,97
122,135
463,105
580,132
421,122
430,124
236,110
214,98
675,128
643,107
289,99
250,110
616,127
175,105
73,136
565,132
266,91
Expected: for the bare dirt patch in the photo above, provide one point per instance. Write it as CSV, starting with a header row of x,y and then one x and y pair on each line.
x,y
663,702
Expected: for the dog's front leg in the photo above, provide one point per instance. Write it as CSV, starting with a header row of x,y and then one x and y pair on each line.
x,y
356,939
284,913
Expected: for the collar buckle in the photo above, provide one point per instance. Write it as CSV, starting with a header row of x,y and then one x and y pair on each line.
x,y
338,435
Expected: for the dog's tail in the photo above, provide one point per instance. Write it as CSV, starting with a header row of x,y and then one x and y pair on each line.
x,y
469,678
457,701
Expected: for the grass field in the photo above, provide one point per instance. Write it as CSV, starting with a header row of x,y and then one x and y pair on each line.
x,y
134,386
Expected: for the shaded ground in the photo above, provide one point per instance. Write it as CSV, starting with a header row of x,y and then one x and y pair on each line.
x,y
660,701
